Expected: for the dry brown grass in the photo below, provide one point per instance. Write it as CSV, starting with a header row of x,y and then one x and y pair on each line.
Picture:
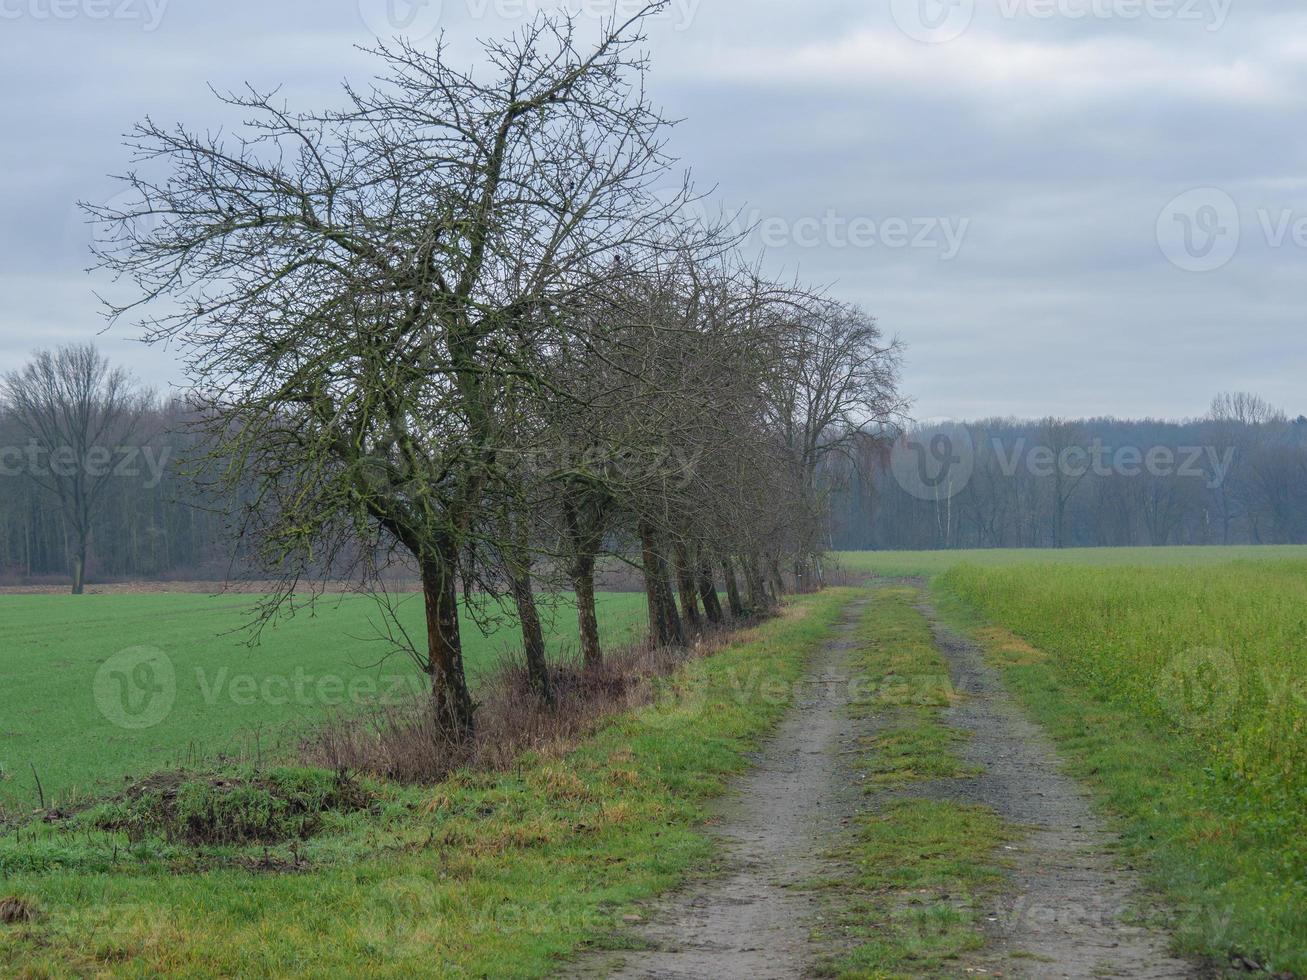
x,y
401,742
15,911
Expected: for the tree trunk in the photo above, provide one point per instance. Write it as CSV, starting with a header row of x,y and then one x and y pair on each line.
x,y
712,606
777,582
685,586
79,567
585,545
665,628
533,638
651,597
587,619
801,575
735,603
451,703
758,600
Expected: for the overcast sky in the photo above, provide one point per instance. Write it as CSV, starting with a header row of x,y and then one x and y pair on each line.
x,y
1070,207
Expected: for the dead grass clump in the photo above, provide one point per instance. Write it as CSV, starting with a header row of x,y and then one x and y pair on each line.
x,y
402,742
16,911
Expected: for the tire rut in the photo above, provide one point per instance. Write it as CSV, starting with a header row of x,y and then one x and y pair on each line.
x,y
1065,912
774,828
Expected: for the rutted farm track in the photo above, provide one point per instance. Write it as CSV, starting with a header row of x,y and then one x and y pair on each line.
x,y
1060,910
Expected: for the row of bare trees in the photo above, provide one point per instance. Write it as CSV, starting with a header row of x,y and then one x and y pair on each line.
x,y
466,324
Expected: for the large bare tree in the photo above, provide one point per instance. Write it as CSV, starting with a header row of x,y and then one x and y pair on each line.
x,y
356,288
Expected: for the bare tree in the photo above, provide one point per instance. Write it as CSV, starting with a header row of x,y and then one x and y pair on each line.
x,y
834,389
1060,437
357,288
78,413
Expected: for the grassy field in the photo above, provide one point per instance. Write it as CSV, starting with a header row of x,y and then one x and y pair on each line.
x,y
484,875
928,563
67,664
1178,694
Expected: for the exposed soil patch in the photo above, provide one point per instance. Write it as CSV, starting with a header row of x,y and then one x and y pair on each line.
x,y
774,827
1065,914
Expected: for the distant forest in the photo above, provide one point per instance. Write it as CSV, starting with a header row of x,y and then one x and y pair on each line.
x,y
1237,476
151,523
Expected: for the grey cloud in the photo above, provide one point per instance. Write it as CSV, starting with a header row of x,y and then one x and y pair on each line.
x,y
1059,141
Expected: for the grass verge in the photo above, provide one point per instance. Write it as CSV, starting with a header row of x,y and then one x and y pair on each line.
x,y
486,874
919,868
1227,859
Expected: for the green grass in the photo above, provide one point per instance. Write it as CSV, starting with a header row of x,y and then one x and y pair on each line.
x,y
498,875
229,699
918,867
929,563
911,685
1178,694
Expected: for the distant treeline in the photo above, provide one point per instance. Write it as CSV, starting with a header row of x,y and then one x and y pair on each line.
x,y
1237,476
152,523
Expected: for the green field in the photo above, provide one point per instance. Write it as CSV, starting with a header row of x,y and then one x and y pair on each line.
x,y
224,698
1172,681
486,874
927,563
1175,682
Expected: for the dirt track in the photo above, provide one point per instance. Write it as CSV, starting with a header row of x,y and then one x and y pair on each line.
x,y
750,922
1062,915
